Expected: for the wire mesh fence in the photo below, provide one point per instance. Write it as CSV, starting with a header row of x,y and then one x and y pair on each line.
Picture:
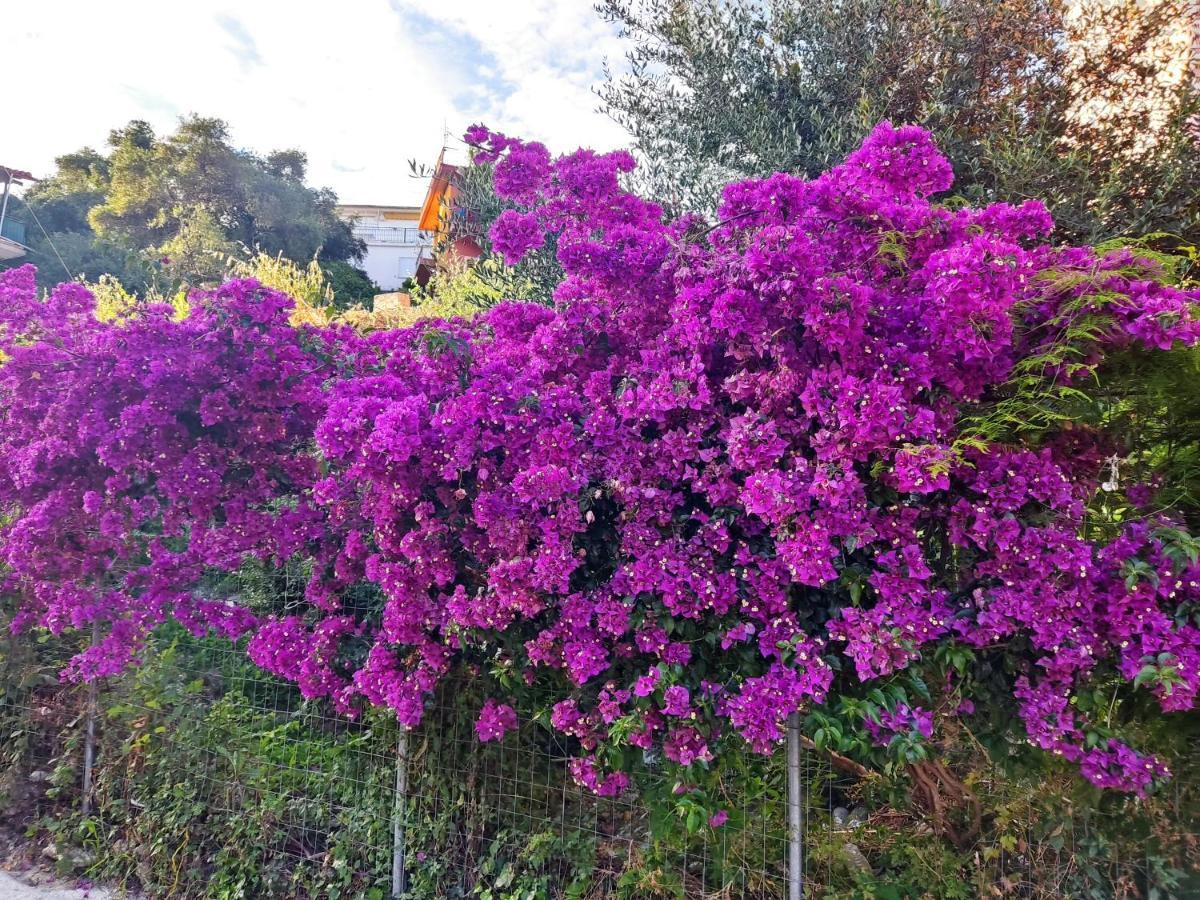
x,y
213,778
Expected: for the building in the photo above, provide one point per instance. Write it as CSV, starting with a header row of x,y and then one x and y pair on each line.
x,y
394,240
436,217
12,234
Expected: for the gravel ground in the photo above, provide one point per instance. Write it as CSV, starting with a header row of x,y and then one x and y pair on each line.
x,y
12,889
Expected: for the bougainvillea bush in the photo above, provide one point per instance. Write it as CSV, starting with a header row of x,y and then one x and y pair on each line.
x,y
139,456
740,470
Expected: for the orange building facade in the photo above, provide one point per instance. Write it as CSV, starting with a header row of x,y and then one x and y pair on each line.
x,y
437,218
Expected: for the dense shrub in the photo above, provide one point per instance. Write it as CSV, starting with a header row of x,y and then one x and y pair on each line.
x,y
141,453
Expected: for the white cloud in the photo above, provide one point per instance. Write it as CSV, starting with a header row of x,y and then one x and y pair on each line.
x,y
549,54
362,86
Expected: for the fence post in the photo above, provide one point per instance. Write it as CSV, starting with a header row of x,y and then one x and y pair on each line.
x,y
399,877
795,811
89,736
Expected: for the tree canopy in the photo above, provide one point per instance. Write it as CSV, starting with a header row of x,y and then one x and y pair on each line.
x,y
172,208
1085,106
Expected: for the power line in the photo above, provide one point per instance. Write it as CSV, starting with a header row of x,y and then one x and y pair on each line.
x,y
70,274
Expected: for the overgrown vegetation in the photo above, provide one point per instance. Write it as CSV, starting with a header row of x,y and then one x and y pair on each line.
x,y
215,779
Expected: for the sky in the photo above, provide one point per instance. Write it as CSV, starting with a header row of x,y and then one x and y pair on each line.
x,y
362,86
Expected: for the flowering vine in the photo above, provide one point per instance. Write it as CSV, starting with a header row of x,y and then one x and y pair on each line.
x,y
735,471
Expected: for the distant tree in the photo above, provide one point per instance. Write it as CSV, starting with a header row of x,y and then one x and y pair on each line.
x,y
175,206
1083,104
350,284
78,184
196,252
287,164
159,188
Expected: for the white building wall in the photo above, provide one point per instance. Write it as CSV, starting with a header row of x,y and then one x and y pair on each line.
x,y
393,244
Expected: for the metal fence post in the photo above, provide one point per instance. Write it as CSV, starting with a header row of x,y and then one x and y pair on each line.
x,y
399,876
89,737
795,811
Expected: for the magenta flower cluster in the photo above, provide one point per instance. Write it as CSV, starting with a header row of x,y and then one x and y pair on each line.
x,y
495,721
720,480
902,720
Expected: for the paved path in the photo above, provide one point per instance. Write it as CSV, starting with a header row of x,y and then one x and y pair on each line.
x,y
12,889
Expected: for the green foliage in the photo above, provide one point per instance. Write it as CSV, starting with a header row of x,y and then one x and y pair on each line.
x,y
475,208
1045,834
1154,400
1150,403
192,254
350,284
464,288
79,254
280,807
321,290
114,301
155,184
213,781
307,285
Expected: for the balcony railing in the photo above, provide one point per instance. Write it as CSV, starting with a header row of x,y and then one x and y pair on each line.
x,y
402,237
